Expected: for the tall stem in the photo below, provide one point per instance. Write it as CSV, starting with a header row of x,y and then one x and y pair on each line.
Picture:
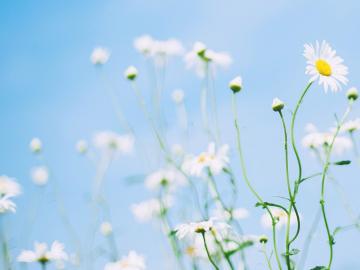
x,y
322,195
208,253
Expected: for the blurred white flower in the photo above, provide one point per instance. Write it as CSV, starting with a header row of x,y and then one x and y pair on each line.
x,y
106,228
111,142
214,160
35,145
81,146
177,149
318,140
7,205
351,125
168,178
218,227
9,187
153,208
158,48
132,261
178,96
200,56
43,254
40,175
324,65
131,73
99,56
281,217
237,213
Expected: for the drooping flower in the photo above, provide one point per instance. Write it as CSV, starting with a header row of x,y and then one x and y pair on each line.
x,y
280,216
99,56
42,254
40,175
213,159
153,208
200,57
324,65
111,142
133,261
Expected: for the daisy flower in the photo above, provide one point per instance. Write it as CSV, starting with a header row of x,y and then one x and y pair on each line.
x,y
219,228
42,254
7,205
99,56
132,261
200,56
106,228
153,208
169,178
40,175
213,159
111,142
324,65
351,125
35,145
281,217
9,187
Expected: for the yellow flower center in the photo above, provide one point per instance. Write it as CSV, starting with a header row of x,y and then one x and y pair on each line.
x,y
323,67
202,158
190,250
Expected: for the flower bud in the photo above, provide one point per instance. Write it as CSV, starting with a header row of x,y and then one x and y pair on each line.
x,y
131,73
35,145
263,239
277,105
81,147
236,84
106,228
352,94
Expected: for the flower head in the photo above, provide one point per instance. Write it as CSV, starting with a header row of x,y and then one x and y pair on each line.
x,y
280,217
9,187
106,228
236,84
99,56
111,142
43,254
277,105
153,208
324,65
351,125
178,96
35,145
213,159
131,73
167,178
7,205
40,175
132,261
214,225
352,93
81,146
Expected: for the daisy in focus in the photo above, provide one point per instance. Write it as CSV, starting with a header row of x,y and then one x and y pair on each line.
x,y
324,65
43,255
213,159
133,261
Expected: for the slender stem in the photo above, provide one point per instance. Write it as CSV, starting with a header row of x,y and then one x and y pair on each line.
x,y
43,266
226,256
208,253
266,256
273,223
325,170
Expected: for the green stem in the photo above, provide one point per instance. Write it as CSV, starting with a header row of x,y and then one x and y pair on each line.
x,y
266,257
273,223
208,253
322,195
226,256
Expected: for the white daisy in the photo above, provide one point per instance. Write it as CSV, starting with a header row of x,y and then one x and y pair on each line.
x,y
35,145
237,213
213,159
9,187
169,178
324,65
278,214
351,125
132,261
99,56
147,210
7,205
200,56
43,254
106,228
81,146
40,175
178,96
108,141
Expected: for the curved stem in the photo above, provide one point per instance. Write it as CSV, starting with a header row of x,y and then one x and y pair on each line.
x,y
273,223
325,170
208,253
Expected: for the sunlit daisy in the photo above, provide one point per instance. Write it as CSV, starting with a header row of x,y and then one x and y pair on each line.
x,y
324,65
213,159
132,261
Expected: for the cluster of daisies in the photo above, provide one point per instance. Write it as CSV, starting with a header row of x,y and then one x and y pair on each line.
x,y
214,233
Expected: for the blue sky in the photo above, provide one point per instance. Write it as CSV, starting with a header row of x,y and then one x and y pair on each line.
x,y
49,89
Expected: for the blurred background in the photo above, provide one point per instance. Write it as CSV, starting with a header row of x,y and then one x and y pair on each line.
x,y
50,89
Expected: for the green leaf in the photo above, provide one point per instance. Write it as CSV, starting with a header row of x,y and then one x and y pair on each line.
x,y
342,162
240,247
319,268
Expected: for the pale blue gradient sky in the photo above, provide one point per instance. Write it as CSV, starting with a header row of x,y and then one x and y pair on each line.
x,y
49,89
